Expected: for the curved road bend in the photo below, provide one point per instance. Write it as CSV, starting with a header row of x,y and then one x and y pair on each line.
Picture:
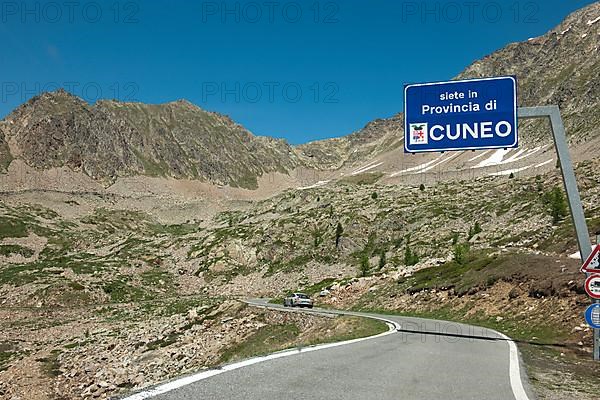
x,y
422,360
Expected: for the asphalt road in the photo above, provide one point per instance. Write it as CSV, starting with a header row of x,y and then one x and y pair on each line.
x,y
417,359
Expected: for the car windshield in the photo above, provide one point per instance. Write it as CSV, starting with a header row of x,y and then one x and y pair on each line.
x,y
302,296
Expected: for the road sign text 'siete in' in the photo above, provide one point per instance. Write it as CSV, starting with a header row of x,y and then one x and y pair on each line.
x,y
461,115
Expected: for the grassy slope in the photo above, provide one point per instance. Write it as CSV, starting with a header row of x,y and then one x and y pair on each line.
x,y
272,338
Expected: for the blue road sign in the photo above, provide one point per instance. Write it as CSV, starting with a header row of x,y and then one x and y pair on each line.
x,y
592,316
461,115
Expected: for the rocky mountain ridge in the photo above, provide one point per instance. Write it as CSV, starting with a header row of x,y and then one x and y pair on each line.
x,y
110,140
560,67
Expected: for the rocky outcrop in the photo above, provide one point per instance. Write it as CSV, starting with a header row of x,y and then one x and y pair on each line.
x,y
110,140
560,67
5,155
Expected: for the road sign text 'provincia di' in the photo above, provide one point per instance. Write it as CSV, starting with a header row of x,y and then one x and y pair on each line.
x,y
461,115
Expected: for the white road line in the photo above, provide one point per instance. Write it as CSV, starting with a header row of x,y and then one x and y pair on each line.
x,y
516,383
515,370
178,383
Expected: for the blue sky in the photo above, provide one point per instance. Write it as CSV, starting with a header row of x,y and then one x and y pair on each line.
x,y
302,70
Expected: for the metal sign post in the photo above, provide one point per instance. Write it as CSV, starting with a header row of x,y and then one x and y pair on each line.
x,y
477,114
597,331
566,167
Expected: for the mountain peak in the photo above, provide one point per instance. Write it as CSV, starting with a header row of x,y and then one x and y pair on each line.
x,y
57,96
184,103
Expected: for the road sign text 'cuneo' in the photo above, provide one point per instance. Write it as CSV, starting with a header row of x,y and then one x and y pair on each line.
x,y
461,115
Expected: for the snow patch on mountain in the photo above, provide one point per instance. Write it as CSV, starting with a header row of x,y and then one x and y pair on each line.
x,y
477,157
498,157
510,171
417,168
593,21
439,163
495,159
544,163
318,184
518,156
366,168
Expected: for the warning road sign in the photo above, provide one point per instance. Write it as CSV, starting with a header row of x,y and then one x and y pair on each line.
x,y
592,263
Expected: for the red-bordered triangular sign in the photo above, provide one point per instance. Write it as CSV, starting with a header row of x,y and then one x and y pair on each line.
x,y
592,263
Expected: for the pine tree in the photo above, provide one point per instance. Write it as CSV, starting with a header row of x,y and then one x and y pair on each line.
x,y
382,259
473,230
454,238
558,205
364,265
339,230
460,252
318,236
410,258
